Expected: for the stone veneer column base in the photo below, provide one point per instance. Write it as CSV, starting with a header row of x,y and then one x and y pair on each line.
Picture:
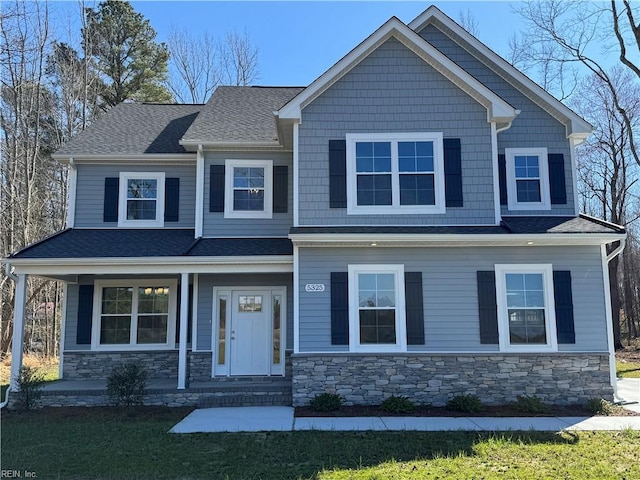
x,y
496,378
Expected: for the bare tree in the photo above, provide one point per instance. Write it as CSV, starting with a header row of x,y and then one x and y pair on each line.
x,y
239,60
193,68
469,22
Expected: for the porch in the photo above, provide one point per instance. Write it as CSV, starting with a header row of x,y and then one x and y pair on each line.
x,y
219,392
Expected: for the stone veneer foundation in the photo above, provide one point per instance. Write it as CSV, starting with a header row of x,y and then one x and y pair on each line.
x,y
496,378
98,365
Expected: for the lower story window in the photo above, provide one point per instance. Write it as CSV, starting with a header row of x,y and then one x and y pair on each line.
x,y
525,305
377,318
135,314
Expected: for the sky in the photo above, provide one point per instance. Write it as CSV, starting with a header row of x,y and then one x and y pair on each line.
x,y
300,40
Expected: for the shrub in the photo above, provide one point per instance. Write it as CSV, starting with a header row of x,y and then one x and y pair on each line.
x,y
528,404
326,402
126,384
395,404
465,403
30,383
599,406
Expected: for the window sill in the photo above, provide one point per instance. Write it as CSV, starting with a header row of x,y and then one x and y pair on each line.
x,y
131,348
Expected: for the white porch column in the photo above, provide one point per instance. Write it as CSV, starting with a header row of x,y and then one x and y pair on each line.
x,y
19,309
184,321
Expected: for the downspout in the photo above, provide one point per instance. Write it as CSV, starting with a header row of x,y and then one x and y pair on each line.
x,y
12,276
612,351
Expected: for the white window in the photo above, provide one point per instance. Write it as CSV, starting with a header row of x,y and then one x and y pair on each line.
x,y
248,189
526,310
377,321
395,173
527,179
141,202
134,315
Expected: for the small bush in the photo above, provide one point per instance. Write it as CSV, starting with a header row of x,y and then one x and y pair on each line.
x,y
533,405
599,406
395,404
30,383
465,403
326,402
126,384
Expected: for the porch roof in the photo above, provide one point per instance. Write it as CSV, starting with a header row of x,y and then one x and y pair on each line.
x,y
133,243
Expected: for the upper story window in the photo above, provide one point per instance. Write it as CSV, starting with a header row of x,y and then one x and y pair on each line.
x,y
395,173
527,179
248,189
526,307
141,202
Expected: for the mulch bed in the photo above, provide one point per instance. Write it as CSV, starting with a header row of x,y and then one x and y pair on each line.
x,y
488,411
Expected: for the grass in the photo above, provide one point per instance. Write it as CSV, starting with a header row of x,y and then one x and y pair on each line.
x,y
111,444
627,369
47,367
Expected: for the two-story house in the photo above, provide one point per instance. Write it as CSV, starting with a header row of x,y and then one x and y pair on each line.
x,y
407,224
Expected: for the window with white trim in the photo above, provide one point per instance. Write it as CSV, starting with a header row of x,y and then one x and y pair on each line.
x,y
141,202
377,320
248,189
395,173
527,179
134,315
526,312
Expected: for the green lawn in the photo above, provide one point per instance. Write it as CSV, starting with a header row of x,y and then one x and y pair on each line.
x,y
627,369
106,444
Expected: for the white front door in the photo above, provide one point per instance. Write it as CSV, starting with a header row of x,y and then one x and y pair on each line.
x,y
250,333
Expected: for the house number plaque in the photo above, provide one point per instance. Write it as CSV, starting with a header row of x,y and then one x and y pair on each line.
x,y
314,287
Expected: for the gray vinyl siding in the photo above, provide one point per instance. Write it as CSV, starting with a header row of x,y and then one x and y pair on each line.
x,y
533,127
450,291
206,283
215,225
90,192
393,90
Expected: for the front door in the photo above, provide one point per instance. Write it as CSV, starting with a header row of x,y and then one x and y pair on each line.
x,y
250,333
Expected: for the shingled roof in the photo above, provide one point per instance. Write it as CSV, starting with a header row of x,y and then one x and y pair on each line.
x,y
241,114
134,129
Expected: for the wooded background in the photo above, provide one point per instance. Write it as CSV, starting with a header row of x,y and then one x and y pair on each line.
x,y
584,53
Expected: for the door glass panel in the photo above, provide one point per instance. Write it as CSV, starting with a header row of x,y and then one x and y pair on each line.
x,y
222,329
277,300
250,303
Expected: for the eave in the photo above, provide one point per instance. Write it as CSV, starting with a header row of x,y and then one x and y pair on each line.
x,y
155,158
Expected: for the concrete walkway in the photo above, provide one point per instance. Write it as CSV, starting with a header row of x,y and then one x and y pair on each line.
x,y
629,393
281,419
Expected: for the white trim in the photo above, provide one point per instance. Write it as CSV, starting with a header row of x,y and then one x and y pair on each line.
x,y
546,270
575,125
395,208
296,299
72,182
134,283
574,175
17,346
296,170
609,320
63,327
279,370
194,313
123,221
222,370
543,170
497,109
149,158
229,165
184,321
496,174
400,308
199,218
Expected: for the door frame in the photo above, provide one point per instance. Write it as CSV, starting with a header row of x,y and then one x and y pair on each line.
x,y
224,370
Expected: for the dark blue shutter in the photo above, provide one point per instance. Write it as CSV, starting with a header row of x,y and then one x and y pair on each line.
x,y
453,172
85,314
564,306
280,189
415,308
337,174
216,188
557,187
171,199
339,308
111,190
487,307
502,178
189,314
